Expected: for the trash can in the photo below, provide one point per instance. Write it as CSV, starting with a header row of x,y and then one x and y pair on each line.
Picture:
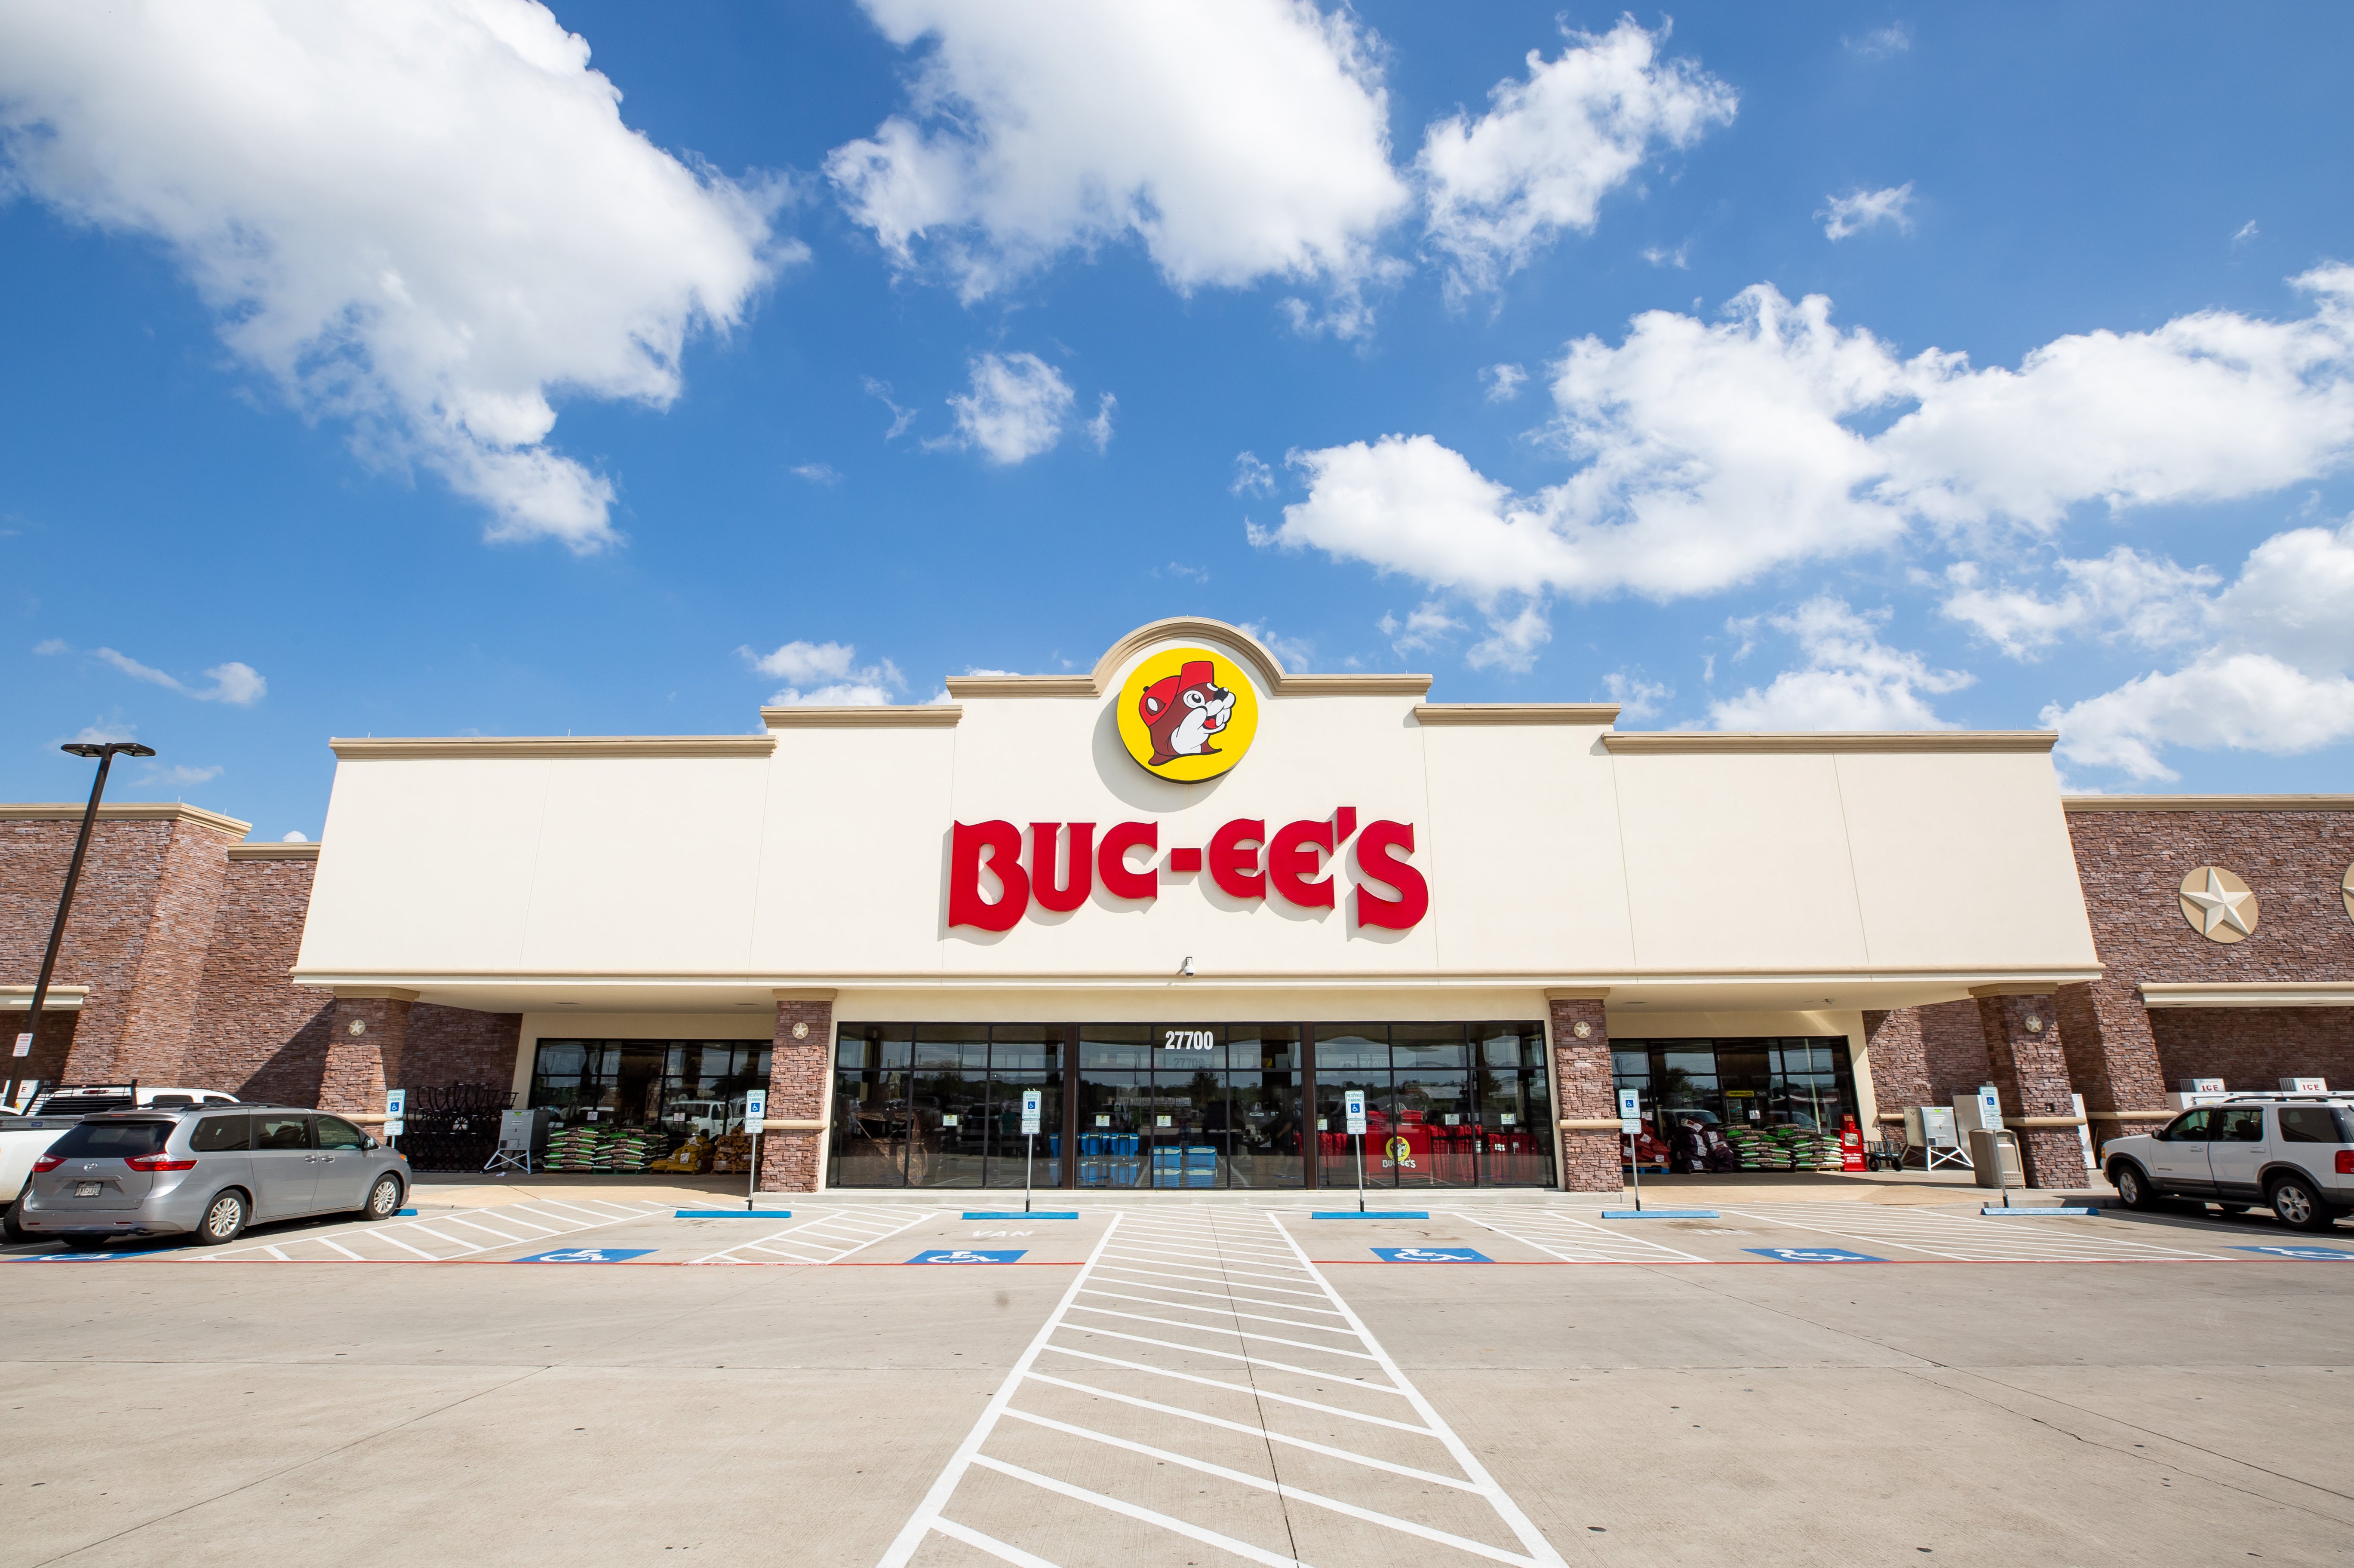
x,y
1994,1158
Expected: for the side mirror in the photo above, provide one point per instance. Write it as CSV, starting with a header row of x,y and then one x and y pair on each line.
x,y
371,1141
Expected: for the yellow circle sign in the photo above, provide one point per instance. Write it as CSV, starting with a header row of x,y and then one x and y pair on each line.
x,y
1187,713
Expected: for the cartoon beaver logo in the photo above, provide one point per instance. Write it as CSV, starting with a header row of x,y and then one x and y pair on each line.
x,y
1187,713
1182,711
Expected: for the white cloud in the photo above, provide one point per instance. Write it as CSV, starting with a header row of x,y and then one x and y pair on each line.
x,y
1503,382
239,686
1658,256
2247,702
1235,139
53,645
1552,146
818,472
1015,410
1291,652
900,417
181,774
1859,210
1252,477
2152,602
2269,674
429,219
827,674
1512,640
1637,698
2246,232
1850,679
105,734
1711,453
1894,39
1179,569
1100,428
294,838
1424,628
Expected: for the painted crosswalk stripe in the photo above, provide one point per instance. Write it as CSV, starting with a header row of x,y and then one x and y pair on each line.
x,y
1204,1299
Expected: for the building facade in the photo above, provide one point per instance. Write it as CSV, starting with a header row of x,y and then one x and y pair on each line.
x,y
1191,902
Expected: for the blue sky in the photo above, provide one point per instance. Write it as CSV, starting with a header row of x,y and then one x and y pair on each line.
x,y
373,372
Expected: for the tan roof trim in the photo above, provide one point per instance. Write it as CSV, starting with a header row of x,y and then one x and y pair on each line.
x,y
273,852
61,997
445,747
2249,993
126,812
1946,740
1353,687
2207,802
1603,713
909,715
963,686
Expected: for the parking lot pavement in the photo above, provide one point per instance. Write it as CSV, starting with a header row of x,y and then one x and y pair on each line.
x,y
1182,1384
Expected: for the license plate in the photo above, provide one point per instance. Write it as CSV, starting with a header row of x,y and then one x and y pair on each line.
x,y
88,1189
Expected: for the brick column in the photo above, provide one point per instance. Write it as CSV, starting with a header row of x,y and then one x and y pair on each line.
x,y
1584,1099
2112,1058
1898,1058
2028,1066
368,1033
792,1158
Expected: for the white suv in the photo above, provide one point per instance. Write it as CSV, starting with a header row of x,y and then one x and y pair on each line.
x,y
2291,1153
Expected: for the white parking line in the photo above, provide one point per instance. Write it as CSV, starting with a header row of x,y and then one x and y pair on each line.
x,y
358,1242
1071,1466
827,1238
1575,1240
1964,1238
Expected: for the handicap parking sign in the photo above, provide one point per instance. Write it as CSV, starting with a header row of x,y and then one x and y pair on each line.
x,y
589,1254
1430,1255
1812,1254
960,1255
2310,1253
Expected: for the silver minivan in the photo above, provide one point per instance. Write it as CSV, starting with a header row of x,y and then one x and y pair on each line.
x,y
207,1172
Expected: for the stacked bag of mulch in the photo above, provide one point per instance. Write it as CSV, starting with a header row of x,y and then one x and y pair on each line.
x,y
575,1147
632,1149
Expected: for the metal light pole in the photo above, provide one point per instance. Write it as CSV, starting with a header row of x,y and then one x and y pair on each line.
x,y
106,754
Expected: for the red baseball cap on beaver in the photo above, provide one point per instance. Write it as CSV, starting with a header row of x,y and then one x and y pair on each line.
x,y
1163,691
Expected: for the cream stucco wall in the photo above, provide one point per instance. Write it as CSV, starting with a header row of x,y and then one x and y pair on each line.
x,y
1839,874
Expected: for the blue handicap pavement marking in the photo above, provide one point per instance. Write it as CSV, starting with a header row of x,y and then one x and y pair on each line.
x,y
1430,1255
587,1255
1813,1255
2314,1254
960,1255
70,1257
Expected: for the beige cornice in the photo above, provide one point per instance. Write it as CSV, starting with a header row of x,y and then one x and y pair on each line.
x,y
1946,740
1603,713
1352,686
2207,802
516,745
2249,993
1577,993
2029,988
908,715
373,994
126,812
61,997
805,993
273,852
963,686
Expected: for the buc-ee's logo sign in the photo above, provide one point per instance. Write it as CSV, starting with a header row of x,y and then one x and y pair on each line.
x,y
1186,713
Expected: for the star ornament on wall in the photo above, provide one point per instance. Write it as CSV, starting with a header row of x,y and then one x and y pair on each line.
x,y
2218,905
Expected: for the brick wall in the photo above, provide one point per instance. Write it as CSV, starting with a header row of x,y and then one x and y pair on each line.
x,y
142,919
799,1070
1590,1157
1899,1060
460,1045
257,1034
1954,1046
2132,864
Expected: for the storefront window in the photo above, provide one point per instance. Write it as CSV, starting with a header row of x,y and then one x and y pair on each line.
x,y
1188,1106
644,1105
1774,1104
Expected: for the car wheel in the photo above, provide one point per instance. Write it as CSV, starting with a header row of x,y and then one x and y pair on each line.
x,y
383,1199
224,1219
2133,1188
17,1233
83,1244
2298,1206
